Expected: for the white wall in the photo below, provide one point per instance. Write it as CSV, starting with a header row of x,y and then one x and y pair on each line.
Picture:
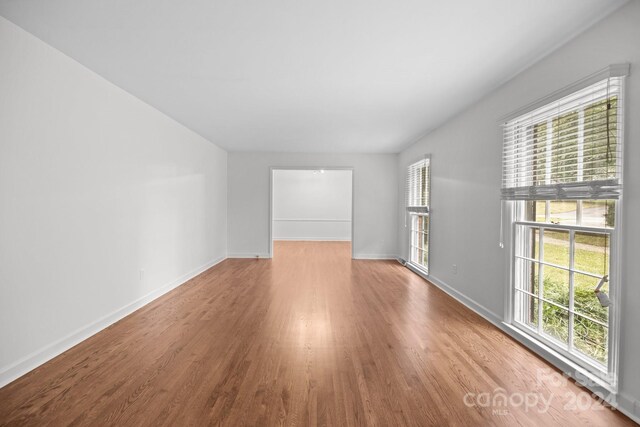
x,y
466,178
311,204
375,191
94,187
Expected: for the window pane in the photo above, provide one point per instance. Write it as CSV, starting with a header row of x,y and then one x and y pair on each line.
x,y
535,211
529,245
540,153
420,223
598,213
592,253
419,239
527,276
590,338
425,236
420,257
600,134
555,322
556,247
563,212
585,300
418,183
527,309
416,254
564,157
424,189
556,285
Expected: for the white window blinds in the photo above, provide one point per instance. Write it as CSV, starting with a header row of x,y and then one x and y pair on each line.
x,y
418,187
570,148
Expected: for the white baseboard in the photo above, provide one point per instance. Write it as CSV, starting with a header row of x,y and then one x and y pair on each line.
x,y
623,402
249,255
266,255
462,298
375,256
313,239
30,362
629,406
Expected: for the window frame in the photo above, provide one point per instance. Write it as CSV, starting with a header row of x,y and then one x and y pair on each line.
x,y
609,380
411,215
610,375
412,247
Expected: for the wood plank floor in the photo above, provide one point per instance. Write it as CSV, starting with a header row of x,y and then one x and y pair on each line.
x,y
308,338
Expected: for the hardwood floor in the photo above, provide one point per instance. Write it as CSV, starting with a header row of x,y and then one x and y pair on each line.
x,y
308,338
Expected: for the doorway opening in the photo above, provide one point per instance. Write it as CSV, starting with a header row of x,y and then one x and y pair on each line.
x,y
311,204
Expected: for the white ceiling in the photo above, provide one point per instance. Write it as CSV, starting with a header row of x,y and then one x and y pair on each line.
x,y
307,76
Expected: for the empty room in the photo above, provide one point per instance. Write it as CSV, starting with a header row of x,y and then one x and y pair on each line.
x,y
337,213
311,205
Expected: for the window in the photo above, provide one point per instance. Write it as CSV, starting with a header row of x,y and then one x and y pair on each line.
x,y
562,175
418,199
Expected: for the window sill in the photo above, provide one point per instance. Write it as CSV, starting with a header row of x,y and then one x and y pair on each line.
x,y
420,268
582,376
